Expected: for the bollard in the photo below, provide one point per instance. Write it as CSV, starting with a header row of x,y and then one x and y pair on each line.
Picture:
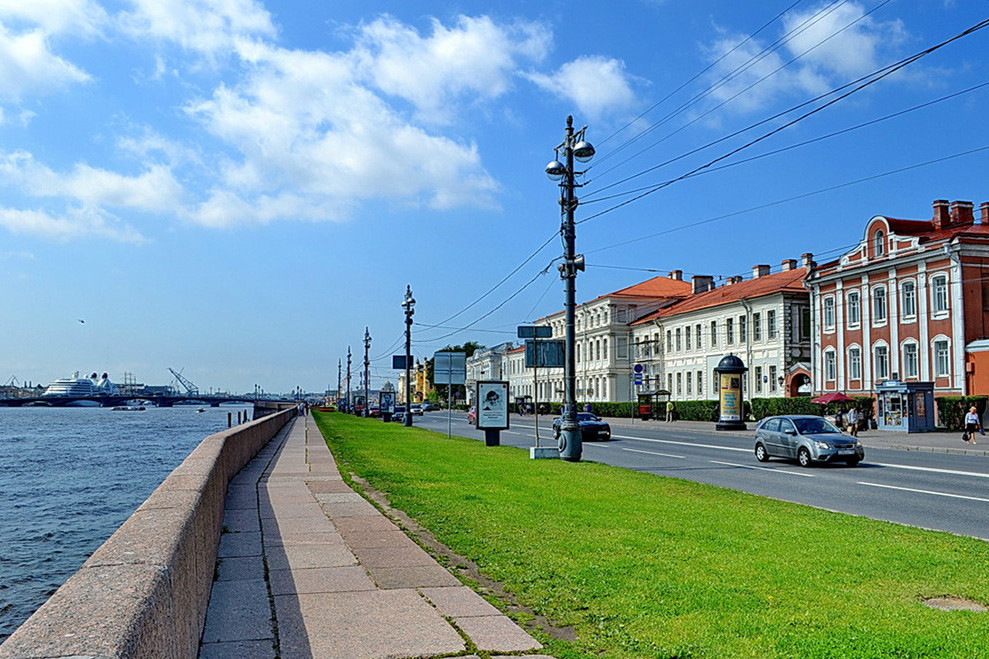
x,y
229,419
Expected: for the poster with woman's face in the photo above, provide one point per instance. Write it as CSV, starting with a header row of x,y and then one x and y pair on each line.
x,y
492,405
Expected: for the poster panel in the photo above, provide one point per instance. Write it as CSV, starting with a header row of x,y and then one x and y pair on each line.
x,y
492,405
731,397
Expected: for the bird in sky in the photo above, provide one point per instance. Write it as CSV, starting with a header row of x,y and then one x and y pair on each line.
x,y
82,321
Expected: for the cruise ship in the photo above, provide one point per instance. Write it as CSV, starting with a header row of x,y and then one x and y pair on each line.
x,y
77,386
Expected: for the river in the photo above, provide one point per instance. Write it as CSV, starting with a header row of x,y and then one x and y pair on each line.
x,y
69,477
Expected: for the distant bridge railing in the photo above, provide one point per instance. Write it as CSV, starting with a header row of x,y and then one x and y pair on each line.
x,y
114,400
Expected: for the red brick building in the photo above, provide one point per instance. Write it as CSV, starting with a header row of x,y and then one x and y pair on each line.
x,y
909,302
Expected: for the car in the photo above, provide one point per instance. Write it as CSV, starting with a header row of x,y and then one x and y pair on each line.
x,y
417,409
429,407
398,414
374,411
592,427
806,439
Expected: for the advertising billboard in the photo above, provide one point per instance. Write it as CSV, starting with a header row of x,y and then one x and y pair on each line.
x,y
492,405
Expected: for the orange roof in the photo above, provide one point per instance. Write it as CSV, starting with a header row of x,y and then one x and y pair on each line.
x,y
521,348
657,287
788,280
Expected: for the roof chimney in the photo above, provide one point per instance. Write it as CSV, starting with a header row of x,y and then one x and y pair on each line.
x,y
961,212
789,264
807,259
702,283
984,211
759,271
941,214
677,275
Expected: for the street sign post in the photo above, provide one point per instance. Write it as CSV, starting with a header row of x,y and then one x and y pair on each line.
x,y
449,368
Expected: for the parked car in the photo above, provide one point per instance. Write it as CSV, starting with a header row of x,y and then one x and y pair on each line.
x,y
592,427
417,409
374,411
429,407
399,414
807,439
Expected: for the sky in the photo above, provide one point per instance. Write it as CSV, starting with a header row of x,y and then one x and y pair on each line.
x,y
236,189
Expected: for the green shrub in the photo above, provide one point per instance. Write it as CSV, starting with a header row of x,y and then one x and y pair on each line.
x,y
951,410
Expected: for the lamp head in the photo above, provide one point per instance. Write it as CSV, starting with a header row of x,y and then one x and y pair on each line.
x,y
583,151
556,170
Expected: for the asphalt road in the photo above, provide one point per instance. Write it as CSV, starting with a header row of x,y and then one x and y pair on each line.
x,y
929,490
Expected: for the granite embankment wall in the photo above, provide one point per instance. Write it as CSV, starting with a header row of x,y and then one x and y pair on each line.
x,y
144,592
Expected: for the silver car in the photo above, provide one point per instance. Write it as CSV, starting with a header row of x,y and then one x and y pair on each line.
x,y
807,439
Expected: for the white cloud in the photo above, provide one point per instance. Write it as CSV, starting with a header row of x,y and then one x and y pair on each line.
x,y
597,85
475,58
76,223
80,17
27,65
211,27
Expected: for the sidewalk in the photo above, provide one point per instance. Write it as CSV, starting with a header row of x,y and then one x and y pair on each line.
x,y
308,566
928,442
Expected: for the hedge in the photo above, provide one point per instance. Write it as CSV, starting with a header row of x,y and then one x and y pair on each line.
x,y
951,410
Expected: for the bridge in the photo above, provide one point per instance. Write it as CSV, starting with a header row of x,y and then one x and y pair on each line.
x,y
115,400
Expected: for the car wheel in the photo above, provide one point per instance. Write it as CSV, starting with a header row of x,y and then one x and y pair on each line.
x,y
852,462
803,457
760,453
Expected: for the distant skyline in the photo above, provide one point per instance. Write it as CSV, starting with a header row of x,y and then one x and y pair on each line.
x,y
236,190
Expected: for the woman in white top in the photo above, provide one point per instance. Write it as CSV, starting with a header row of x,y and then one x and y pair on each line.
x,y
972,424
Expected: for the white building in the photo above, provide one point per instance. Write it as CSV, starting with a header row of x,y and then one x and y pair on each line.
x,y
764,320
485,364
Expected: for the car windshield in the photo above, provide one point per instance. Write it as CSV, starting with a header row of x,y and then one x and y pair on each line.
x,y
586,416
813,426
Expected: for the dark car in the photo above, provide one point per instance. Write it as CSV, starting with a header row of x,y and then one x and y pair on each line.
x,y
591,427
807,439
429,407
399,413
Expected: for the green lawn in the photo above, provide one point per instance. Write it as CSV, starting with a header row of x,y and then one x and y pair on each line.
x,y
645,566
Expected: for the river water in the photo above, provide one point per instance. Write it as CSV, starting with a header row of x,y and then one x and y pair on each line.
x,y
69,477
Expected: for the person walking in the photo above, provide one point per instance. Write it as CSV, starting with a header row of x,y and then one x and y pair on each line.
x,y
852,419
670,410
972,425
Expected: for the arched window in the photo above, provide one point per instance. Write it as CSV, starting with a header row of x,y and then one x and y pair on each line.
x,y
830,368
939,294
878,243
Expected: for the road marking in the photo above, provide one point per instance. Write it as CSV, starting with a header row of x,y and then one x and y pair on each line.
x,y
692,444
775,471
939,494
665,455
953,472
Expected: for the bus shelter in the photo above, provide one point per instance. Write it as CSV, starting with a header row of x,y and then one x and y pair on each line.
x,y
905,406
648,401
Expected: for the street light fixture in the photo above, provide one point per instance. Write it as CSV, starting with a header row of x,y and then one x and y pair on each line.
x,y
573,146
409,305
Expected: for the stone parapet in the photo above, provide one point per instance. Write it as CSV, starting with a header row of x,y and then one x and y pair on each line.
x,y
144,592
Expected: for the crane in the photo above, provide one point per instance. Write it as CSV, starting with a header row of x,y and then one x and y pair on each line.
x,y
190,388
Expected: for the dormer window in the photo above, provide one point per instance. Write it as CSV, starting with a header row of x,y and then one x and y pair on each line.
x,y
878,243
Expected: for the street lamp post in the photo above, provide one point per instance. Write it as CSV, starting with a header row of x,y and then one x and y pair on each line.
x,y
573,146
350,408
367,365
409,305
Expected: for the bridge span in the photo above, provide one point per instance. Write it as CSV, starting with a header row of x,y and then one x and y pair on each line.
x,y
115,400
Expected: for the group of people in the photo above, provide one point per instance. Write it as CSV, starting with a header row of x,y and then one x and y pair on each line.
x,y
849,420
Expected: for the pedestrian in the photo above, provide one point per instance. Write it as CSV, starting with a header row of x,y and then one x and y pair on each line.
x,y
839,419
587,407
852,419
972,425
670,410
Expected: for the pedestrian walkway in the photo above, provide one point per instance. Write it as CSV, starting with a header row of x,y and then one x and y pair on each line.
x,y
927,442
308,568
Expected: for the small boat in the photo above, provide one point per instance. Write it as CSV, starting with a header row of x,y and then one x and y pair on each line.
x,y
200,410
129,408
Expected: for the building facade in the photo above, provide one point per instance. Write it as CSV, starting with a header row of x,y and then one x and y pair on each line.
x,y
485,364
764,320
907,303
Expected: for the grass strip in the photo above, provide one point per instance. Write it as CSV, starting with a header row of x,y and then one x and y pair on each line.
x,y
646,566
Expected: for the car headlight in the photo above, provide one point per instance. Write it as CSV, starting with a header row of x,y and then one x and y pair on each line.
x,y
823,445
858,444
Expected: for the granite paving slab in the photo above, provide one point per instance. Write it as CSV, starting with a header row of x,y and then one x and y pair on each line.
x,y
238,611
393,556
246,543
497,633
240,567
379,539
328,486
319,580
238,650
419,576
459,602
313,555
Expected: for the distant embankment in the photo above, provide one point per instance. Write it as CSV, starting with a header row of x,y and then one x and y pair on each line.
x,y
144,592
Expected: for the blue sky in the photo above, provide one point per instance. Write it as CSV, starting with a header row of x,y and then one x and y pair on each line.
x,y
236,188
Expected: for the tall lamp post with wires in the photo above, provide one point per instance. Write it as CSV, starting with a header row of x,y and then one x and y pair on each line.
x,y
367,373
573,147
408,304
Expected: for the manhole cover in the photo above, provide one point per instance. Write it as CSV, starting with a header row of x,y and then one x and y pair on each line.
x,y
954,604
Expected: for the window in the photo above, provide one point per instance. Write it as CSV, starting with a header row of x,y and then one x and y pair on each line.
x,y
669,340
622,348
878,243
669,382
758,379
578,353
830,368
829,313
879,305
908,295
939,294
689,383
910,365
714,332
853,309
854,363
942,360
771,324
679,343
687,332
604,347
772,378
757,327
697,336
679,384
700,382
730,331
881,361
742,337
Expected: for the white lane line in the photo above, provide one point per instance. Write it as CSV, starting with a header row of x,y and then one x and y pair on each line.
x,y
775,471
665,455
939,494
692,444
953,472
